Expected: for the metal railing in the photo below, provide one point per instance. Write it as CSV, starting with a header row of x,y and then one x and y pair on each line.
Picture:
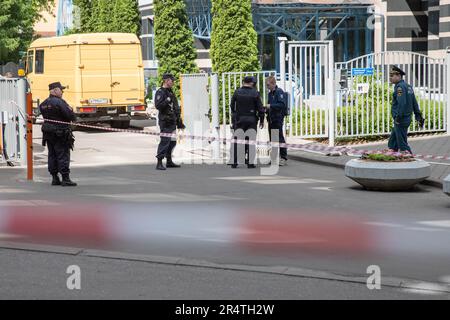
x,y
363,103
309,87
13,119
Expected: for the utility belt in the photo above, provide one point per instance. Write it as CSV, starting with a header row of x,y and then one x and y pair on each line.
x,y
249,114
48,127
168,120
63,133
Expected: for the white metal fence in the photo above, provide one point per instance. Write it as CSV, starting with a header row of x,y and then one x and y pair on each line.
x,y
346,99
309,84
364,94
13,119
232,80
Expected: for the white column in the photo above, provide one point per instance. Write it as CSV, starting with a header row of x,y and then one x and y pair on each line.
x,y
448,90
215,115
282,41
331,91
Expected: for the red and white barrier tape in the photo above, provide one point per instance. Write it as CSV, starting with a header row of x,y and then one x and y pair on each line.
x,y
294,230
305,147
209,138
76,224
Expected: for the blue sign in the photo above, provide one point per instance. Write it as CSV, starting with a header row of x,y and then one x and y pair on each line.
x,y
362,72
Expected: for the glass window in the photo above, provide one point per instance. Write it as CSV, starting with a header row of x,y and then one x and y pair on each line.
x,y
30,60
150,27
150,49
144,27
39,66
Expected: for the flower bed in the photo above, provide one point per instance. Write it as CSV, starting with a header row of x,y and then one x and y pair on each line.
x,y
387,171
387,156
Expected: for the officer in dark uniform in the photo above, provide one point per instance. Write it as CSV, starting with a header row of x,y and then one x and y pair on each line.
x,y
246,110
276,111
57,136
169,120
404,104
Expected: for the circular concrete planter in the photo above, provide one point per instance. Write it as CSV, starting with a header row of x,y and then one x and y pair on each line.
x,y
387,176
447,185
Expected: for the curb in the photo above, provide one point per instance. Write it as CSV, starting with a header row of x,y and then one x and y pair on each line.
x,y
290,271
318,161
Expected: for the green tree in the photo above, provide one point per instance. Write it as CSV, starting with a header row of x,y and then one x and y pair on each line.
x,y
17,19
107,16
174,40
126,17
233,39
102,16
83,12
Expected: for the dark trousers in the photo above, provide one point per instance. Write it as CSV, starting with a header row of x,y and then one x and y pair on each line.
x,y
58,157
244,152
278,126
167,144
398,140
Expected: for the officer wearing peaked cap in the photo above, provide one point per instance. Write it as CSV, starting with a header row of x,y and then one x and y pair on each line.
x,y
57,136
246,109
169,120
404,104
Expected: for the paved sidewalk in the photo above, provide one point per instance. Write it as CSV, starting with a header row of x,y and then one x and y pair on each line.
x,y
120,148
438,145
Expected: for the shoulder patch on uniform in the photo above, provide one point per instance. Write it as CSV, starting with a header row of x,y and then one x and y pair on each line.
x,y
399,91
158,97
410,90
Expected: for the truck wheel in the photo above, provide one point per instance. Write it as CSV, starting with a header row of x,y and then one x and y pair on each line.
x,y
125,124
120,124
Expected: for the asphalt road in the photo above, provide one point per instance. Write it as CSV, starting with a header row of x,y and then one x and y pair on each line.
x,y
411,227
31,275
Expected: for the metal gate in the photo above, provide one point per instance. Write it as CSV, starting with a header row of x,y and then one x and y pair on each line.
x,y
364,94
310,85
13,119
195,106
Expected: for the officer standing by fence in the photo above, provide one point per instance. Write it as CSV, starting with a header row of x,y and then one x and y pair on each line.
x,y
57,136
169,120
404,104
246,109
276,111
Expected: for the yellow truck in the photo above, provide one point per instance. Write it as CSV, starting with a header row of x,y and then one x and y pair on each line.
x,y
103,73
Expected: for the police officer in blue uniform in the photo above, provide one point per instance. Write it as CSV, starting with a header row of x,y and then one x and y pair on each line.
x,y
404,104
246,110
57,136
169,119
276,111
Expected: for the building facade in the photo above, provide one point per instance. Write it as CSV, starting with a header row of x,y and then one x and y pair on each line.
x,y
419,26
345,22
47,26
409,25
148,41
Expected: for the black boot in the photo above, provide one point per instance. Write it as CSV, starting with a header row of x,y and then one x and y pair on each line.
x,y
66,182
251,166
170,163
234,165
159,165
56,181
